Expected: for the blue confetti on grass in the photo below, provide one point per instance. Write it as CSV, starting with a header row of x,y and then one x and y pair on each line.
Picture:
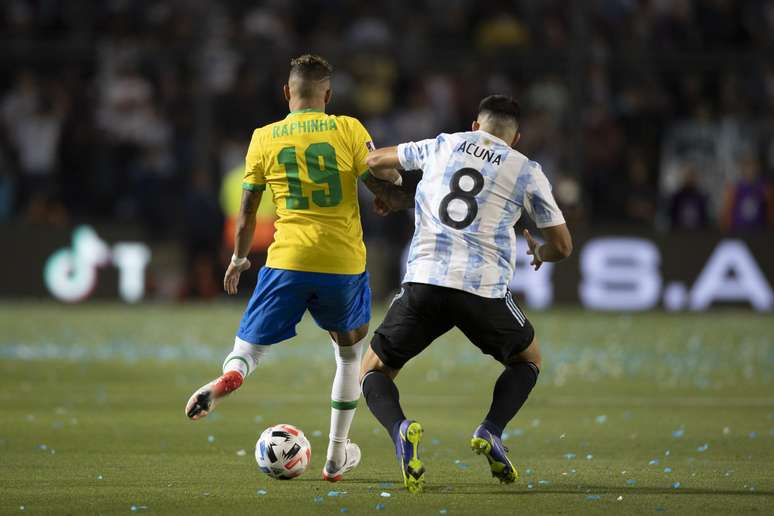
x,y
544,482
589,456
631,482
530,486
385,494
379,507
677,434
261,492
318,499
461,464
443,511
569,456
753,435
343,509
210,439
666,453
386,485
529,471
435,441
653,462
702,448
593,497
667,469
676,485
336,493
601,419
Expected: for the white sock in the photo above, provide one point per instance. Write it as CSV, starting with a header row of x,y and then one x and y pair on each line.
x,y
344,396
244,358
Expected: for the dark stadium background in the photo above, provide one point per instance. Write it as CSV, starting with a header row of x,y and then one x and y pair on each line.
x,y
123,128
654,120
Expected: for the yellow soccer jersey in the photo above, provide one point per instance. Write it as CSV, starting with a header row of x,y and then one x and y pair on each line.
x,y
312,161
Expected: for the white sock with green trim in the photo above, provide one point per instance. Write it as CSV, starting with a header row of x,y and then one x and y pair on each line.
x,y
344,396
244,358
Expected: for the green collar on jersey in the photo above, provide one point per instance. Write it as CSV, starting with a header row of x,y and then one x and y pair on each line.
x,y
307,110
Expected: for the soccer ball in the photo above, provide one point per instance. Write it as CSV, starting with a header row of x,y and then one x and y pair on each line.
x,y
283,452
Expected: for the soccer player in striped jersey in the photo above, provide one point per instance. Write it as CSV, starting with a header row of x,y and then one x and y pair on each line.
x,y
311,161
473,190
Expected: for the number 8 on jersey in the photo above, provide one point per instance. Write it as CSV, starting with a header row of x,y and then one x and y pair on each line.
x,y
466,196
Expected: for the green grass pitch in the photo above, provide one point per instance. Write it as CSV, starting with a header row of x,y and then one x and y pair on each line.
x,y
633,414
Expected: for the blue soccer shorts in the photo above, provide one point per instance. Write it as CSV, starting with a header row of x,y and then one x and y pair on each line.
x,y
337,302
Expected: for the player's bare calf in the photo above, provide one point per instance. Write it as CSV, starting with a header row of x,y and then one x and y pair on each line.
x,y
202,402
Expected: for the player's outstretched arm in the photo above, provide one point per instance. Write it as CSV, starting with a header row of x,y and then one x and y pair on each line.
x,y
389,196
557,247
386,183
243,240
384,163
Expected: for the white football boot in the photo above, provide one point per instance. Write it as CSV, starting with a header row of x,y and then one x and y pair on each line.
x,y
333,473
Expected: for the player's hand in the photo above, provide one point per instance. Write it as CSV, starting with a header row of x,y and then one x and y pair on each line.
x,y
231,279
533,245
381,207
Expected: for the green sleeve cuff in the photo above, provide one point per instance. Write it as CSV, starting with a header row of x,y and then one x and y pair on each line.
x,y
253,187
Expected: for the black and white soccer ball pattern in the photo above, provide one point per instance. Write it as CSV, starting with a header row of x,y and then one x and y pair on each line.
x,y
283,452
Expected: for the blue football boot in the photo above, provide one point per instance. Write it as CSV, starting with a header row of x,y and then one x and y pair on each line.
x,y
407,450
491,446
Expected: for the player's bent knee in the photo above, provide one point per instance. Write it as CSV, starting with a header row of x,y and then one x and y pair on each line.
x,y
352,337
360,333
530,354
372,363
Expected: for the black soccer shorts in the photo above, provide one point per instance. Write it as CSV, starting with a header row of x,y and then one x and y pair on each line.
x,y
421,313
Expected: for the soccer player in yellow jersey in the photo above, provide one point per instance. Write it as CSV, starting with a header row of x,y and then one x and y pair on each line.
x,y
311,161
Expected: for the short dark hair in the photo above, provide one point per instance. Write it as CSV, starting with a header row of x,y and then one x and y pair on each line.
x,y
501,107
310,67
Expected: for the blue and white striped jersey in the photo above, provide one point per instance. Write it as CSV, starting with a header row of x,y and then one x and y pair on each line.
x,y
473,189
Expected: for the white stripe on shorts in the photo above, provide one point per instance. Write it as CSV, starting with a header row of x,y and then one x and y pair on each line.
x,y
514,309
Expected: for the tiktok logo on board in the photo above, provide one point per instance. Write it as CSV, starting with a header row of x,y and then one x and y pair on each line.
x,y
71,273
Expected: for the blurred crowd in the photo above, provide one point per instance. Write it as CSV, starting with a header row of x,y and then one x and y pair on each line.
x,y
650,113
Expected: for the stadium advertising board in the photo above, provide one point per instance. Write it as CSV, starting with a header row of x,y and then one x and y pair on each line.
x,y
607,271
626,273
73,265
